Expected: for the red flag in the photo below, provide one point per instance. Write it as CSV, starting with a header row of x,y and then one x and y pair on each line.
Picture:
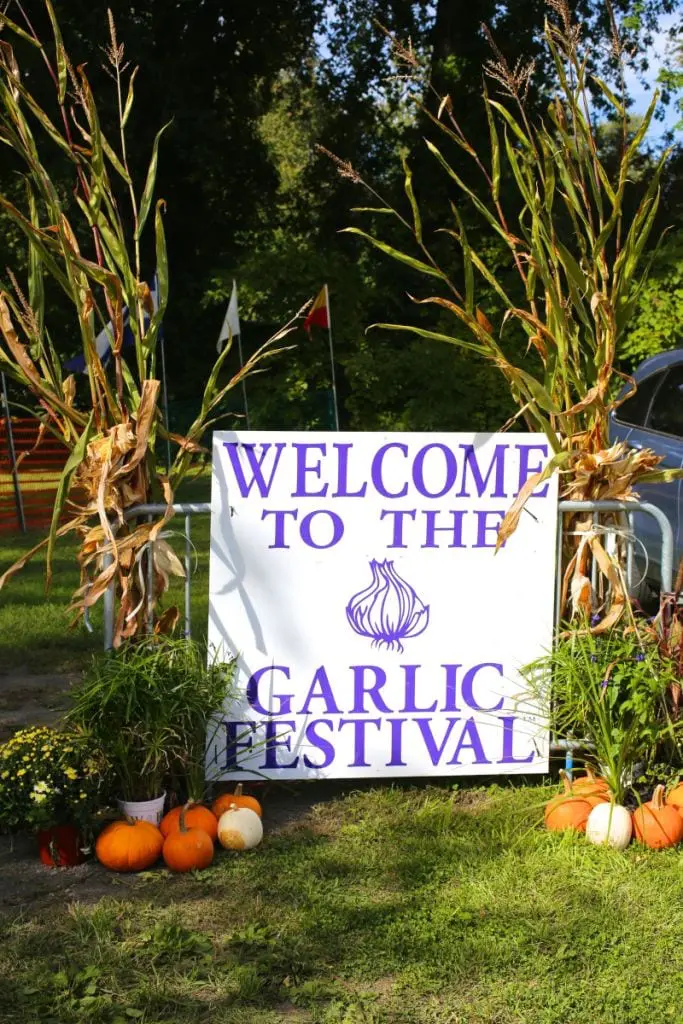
x,y
319,314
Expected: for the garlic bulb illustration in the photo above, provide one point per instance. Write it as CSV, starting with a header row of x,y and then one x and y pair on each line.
x,y
389,610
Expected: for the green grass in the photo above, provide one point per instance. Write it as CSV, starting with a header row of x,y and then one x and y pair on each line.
x,y
34,626
387,906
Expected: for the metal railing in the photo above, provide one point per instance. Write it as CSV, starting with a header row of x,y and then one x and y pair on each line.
x,y
189,509
150,512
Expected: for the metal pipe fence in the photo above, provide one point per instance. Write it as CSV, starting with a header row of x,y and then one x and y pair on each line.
x,y
596,508
190,509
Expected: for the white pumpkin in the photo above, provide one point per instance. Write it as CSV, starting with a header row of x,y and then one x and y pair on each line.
x,y
611,824
239,828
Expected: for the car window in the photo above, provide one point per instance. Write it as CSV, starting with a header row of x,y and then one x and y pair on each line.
x,y
666,415
635,409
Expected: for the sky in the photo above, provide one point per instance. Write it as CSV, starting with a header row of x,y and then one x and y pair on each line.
x,y
642,93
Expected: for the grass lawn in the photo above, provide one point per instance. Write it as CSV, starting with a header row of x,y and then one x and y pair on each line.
x,y
34,626
414,905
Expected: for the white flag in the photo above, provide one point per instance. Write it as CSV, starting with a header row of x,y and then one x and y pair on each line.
x,y
231,323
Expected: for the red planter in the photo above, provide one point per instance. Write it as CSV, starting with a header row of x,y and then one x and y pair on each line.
x,y
60,847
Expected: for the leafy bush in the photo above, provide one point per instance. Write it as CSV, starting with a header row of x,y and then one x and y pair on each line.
x,y
49,778
614,691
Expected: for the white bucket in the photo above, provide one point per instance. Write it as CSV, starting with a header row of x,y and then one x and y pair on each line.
x,y
144,810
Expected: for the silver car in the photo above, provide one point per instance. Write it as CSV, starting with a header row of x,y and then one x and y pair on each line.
x,y
653,418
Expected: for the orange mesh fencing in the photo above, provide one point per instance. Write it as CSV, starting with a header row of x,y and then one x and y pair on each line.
x,y
39,473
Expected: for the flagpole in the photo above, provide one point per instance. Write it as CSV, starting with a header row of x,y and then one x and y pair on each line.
x,y
334,380
243,381
13,457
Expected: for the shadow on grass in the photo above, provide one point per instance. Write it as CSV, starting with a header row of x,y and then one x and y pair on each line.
x,y
394,891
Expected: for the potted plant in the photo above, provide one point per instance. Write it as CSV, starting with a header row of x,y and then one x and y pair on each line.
x,y
148,707
613,690
51,783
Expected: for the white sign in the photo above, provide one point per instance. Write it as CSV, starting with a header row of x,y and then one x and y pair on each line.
x,y
378,632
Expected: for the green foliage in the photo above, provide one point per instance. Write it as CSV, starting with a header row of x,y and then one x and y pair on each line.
x,y
657,324
613,690
148,707
50,778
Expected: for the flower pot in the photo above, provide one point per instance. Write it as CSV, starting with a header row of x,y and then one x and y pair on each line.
x,y
60,846
144,810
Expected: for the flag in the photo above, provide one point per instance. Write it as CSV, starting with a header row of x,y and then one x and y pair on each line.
x,y
104,340
319,313
231,323
103,343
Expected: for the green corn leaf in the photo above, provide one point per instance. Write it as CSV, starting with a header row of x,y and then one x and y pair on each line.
x,y
161,255
572,269
41,241
97,152
548,173
45,121
131,386
6,22
453,136
640,134
36,289
660,476
114,252
470,346
495,151
146,201
402,257
115,162
605,89
129,98
60,53
373,209
483,209
408,185
72,463
467,261
524,185
537,391
517,129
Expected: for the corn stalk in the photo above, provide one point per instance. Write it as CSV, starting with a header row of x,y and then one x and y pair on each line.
x,y
91,249
581,263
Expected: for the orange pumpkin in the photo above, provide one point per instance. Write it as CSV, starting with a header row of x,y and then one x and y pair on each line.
x,y
568,810
674,797
187,849
658,824
196,816
130,845
590,785
225,801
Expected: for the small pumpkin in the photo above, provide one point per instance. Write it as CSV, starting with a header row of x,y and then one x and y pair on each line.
x,y
187,849
567,810
657,824
609,824
196,816
674,797
130,845
240,828
239,799
590,784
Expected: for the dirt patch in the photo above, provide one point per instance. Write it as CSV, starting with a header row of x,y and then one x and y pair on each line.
x,y
32,700
28,885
